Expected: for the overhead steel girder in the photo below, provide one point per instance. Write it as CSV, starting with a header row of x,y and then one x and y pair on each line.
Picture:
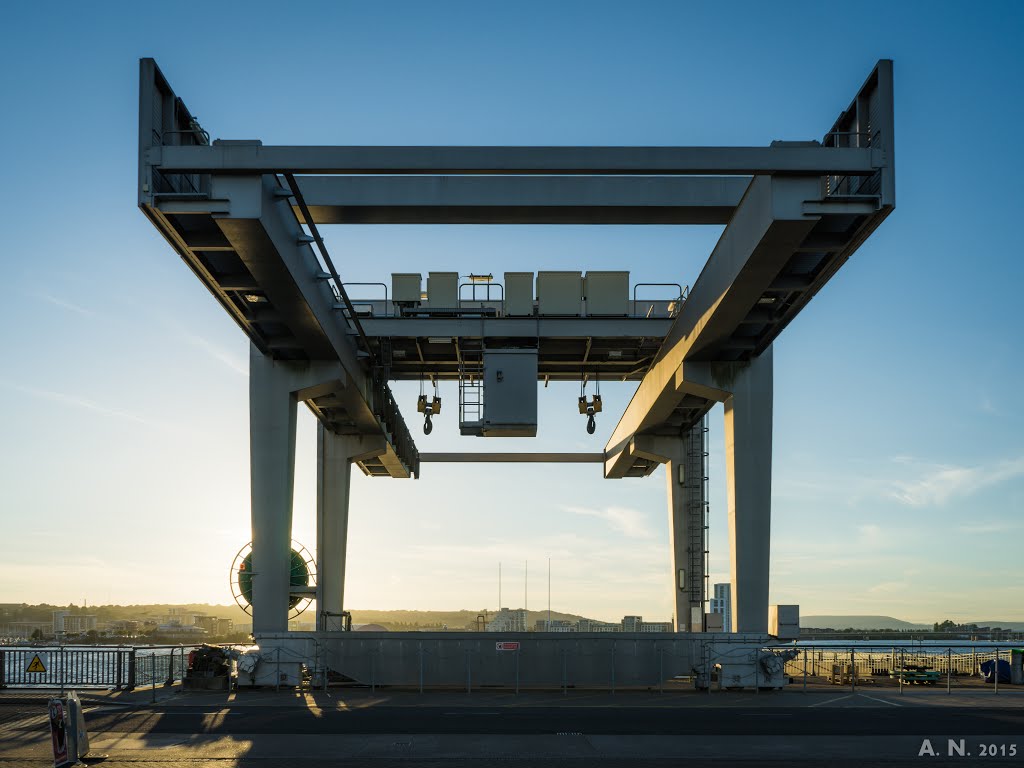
x,y
522,199
768,227
803,158
611,328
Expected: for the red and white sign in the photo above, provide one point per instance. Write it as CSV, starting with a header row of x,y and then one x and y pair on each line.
x,y
506,646
58,732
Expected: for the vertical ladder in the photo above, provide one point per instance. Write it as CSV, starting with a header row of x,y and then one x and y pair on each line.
x,y
697,510
471,390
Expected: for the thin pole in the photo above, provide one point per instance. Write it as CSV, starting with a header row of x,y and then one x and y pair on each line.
x,y
549,594
499,586
526,581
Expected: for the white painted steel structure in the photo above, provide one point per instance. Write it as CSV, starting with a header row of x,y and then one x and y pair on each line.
x,y
244,218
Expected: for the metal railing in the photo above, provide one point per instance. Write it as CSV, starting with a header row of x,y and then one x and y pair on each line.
x,y
853,186
117,667
675,302
942,666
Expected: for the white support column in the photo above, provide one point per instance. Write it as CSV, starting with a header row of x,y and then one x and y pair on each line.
x,y
677,534
334,476
272,413
748,458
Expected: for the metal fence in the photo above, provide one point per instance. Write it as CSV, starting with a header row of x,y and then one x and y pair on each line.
x,y
949,667
116,667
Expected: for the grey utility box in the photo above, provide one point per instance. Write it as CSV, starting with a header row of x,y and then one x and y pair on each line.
x,y
510,393
607,293
519,294
406,287
443,290
784,621
560,293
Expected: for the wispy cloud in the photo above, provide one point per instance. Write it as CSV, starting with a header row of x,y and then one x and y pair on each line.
x,y
230,360
999,526
629,522
937,484
76,401
63,303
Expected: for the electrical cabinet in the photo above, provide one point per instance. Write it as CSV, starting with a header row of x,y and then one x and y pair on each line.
x,y
510,393
560,293
607,293
443,290
406,287
519,294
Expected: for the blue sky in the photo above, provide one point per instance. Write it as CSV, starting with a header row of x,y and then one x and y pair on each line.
x,y
898,459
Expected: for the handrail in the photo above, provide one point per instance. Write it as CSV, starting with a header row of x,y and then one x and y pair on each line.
x,y
487,285
383,285
677,286
353,318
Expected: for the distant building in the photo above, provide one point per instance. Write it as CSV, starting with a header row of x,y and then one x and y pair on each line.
x,y
123,628
657,626
508,620
25,629
632,623
214,625
556,625
722,603
66,623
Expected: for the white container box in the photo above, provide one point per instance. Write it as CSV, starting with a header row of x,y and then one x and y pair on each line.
x,y
607,293
406,287
443,290
784,621
560,293
519,294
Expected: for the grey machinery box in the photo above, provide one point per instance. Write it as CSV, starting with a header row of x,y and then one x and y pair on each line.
x,y
607,293
510,393
406,287
519,293
443,290
560,293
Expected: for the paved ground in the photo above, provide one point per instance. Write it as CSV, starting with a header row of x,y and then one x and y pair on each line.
x,y
354,727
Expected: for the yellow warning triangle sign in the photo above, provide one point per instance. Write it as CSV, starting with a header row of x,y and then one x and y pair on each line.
x,y
36,665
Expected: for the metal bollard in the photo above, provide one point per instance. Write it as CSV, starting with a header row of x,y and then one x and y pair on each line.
x,y
420,653
613,666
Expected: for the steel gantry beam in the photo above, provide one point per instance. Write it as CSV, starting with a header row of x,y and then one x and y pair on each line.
x,y
236,212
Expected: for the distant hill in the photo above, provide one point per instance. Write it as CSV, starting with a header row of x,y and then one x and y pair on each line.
x,y
410,620
859,622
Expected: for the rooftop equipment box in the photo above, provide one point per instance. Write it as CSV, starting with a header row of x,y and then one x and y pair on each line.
x,y
510,393
405,287
713,622
560,293
443,289
519,293
784,621
607,293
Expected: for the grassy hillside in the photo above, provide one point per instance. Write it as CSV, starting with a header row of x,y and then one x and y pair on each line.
x,y
859,622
